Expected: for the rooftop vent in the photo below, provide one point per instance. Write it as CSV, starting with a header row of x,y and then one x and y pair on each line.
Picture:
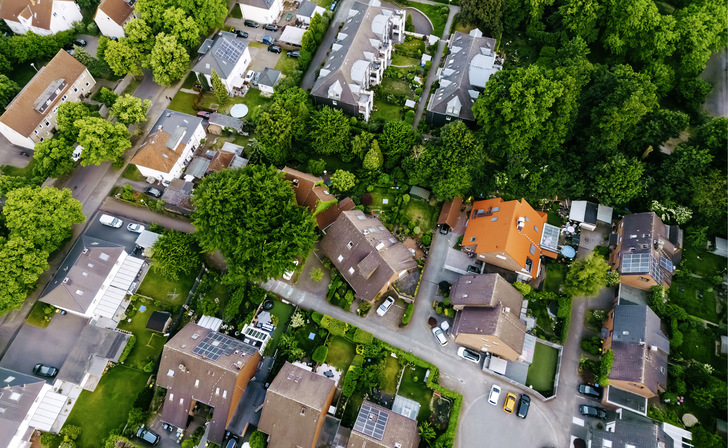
x,y
520,223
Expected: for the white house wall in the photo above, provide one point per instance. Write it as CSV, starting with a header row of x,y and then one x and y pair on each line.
x,y
261,15
15,138
65,14
107,26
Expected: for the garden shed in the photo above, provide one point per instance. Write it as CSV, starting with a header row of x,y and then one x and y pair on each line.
x,y
419,192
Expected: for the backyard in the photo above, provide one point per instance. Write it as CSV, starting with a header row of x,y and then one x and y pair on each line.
x,y
386,111
413,387
378,197
283,312
149,344
341,353
697,301
98,413
182,102
391,375
159,287
422,213
702,262
555,274
436,13
542,370
286,65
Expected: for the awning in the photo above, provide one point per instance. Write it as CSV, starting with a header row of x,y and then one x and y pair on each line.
x,y
115,293
48,410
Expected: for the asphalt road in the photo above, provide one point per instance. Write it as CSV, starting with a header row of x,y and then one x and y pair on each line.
x,y
10,154
420,21
716,73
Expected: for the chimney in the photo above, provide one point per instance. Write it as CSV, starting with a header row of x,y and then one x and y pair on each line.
x,y
520,223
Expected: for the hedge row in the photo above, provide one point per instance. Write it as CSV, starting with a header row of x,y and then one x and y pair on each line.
x,y
127,349
408,313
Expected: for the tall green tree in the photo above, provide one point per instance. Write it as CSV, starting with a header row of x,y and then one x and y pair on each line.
x,y
208,14
102,141
67,116
176,253
182,26
21,264
169,60
53,157
328,131
221,93
251,216
275,133
581,18
487,14
636,28
374,158
396,141
123,58
139,35
8,90
343,180
586,276
619,180
701,27
130,109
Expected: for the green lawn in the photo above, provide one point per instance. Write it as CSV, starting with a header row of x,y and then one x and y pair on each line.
x,y
555,274
105,409
191,79
391,375
131,172
19,172
399,60
698,344
433,13
283,311
378,195
386,111
303,334
413,45
708,264
687,297
149,344
182,102
391,86
543,369
286,65
341,353
324,3
37,315
158,287
416,390
423,214
236,13
334,162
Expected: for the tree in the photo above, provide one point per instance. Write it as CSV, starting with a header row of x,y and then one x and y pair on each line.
x,y
705,438
637,29
182,26
297,103
123,57
586,276
251,216
130,109
258,440
176,253
21,264
483,13
68,113
581,17
8,90
207,13
319,355
43,216
396,141
328,131
374,159
343,180
221,93
619,180
102,141
427,432
361,144
169,60
317,274
275,133
106,96
53,157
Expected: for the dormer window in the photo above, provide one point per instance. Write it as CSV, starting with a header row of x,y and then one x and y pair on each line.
x,y
350,244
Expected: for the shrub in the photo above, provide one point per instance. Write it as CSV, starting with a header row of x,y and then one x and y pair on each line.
x,y
592,345
49,440
258,440
364,308
297,320
105,96
524,288
319,355
149,367
362,337
605,367
316,317
427,238
317,274
408,313
316,166
144,398
335,327
352,375
127,349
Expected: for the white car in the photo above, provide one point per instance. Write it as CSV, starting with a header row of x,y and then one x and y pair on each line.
x,y
384,307
440,336
111,221
249,76
289,274
469,355
136,228
494,395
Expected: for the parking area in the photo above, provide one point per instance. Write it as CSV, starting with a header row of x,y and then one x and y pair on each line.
x,y
50,345
262,58
119,236
581,425
393,317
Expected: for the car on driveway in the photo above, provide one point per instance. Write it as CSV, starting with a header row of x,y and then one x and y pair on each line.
x,y
469,355
151,191
494,395
111,221
252,23
231,440
271,27
274,48
249,76
592,411
523,404
44,370
440,335
136,228
510,403
267,40
289,274
148,435
384,307
203,114
240,33
79,42
293,54
255,79
589,390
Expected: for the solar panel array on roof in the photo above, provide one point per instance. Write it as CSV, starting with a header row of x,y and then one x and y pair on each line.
x,y
215,345
371,421
633,263
550,238
655,270
665,263
228,53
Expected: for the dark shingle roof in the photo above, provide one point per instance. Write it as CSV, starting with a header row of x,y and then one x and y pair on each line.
x,y
645,233
17,394
485,290
379,427
225,52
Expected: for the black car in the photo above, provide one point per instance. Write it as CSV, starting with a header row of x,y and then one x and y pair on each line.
x,y
252,23
293,54
44,370
231,440
592,411
239,33
444,229
523,404
79,42
473,269
271,27
148,436
274,48
591,391
151,191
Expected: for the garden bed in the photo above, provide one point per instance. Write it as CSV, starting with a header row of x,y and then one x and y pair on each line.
x,y
38,315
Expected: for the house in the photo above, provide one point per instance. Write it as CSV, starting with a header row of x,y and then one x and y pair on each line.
x,y
203,366
640,350
168,148
220,122
506,234
366,254
470,63
379,427
630,431
93,280
268,80
261,11
448,218
358,58
589,214
306,10
228,56
113,15
295,407
44,17
146,241
487,315
28,404
312,193
31,116
646,250
178,196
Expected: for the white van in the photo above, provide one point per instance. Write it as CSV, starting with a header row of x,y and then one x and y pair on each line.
x,y
111,221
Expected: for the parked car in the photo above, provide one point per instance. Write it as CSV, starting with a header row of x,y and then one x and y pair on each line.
x,y
293,54
231,440
252,23
592,411
271,27
151,191
384,307
77,153
444,229
473,269
494,395
510,403
203,114
256,78
79,42
469,355
136,228
332,7
248,76
267,40
44,370
523,404
274,48
239,33
289,274
589,390
148,435
440,336
111,221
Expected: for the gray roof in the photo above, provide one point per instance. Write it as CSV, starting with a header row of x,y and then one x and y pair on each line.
x,y
82,273
146,239
629,295
179,193
17,394
640,347
93,344
159,321
269,77
198,167
464,74
263,4
226,121
485,290
306,9
222,56
170,121
645,233
379,427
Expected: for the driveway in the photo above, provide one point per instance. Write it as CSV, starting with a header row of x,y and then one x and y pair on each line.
x,y
50,345
119,236
10,154
142,215
262,58
420,21
92,44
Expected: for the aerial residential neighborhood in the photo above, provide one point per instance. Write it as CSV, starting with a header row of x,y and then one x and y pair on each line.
x,y
363,223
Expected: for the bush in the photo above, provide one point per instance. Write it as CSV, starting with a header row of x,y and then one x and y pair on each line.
x,y
317,317
127,349
319,355
316,166
362,337
364,309
149,367
524,288
105,96
605,367
592,345
408,313
144,398
258,440
50,440
350,380
335,327
317,274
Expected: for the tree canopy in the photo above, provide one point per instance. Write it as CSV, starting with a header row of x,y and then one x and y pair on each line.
x,y
102,141
130,109
176,253
586,276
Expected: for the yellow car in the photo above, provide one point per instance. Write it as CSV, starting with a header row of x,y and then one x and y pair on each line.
x,y
510,403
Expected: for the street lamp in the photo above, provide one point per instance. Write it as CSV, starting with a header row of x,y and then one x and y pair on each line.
x,y
33,65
